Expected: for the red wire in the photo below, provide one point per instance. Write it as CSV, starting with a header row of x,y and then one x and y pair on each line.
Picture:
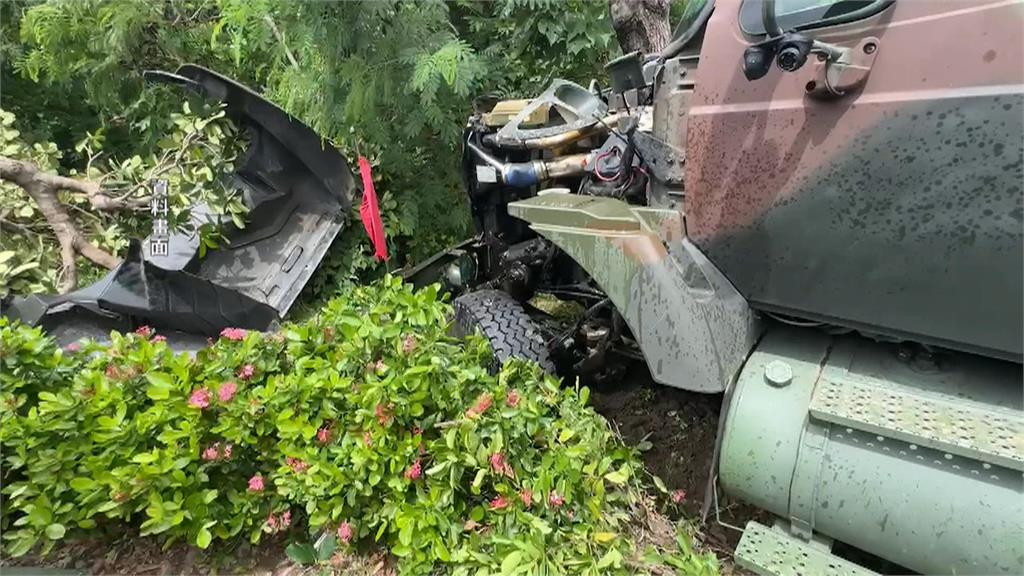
x,y
597,165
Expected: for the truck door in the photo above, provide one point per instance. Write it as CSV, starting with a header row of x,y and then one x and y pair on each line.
x,y
885,197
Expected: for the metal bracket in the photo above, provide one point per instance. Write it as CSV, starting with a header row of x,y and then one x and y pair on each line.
x,y
837,77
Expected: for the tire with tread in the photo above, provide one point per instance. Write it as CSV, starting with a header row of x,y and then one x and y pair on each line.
x,y
505,323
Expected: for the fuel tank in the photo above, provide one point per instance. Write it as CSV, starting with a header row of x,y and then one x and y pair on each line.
x,y
914,457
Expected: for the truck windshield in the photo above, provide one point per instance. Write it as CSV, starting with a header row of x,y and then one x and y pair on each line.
x,y
695,15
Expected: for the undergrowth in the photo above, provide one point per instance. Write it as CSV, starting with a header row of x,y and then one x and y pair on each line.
x,y
365,427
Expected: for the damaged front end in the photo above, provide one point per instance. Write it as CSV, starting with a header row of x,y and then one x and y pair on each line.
x,y
298,189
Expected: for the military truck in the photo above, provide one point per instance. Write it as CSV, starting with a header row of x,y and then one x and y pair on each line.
x,y
814,209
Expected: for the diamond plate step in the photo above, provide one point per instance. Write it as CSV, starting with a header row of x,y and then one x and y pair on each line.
x,y
940,421
770,552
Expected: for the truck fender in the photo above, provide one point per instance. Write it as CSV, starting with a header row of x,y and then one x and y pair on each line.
x,y
694,329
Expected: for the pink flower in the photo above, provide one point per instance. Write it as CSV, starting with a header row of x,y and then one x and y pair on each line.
x,y
498,462
272,523
383,414
246,372
298,466
415,471
555,500
408,344
499,503
226,453
379,366
286,519
345,532
678,496
512,398
211,453
417,431
470,525
234,334
367,439
144,331
500,466
200,398
227,391
527,497
159,338
73,347
482,404
113,372
256,483
323,435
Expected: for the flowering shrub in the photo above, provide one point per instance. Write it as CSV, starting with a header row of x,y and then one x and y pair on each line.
x,y
368,423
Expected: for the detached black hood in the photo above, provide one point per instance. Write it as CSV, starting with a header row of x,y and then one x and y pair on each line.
x,y
299,192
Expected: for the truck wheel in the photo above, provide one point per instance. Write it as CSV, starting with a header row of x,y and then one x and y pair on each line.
x,y
504,323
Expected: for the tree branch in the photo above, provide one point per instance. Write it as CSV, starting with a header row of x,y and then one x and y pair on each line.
x,y
280,38
17,171
18,228
42,187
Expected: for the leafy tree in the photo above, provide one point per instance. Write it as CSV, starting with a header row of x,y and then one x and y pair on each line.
x,y
391,80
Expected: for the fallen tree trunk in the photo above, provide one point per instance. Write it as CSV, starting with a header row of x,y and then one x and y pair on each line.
x,y
42,187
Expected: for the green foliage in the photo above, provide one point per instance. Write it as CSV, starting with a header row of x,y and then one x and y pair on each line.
x,y
366,424
528,43
389,79
195,156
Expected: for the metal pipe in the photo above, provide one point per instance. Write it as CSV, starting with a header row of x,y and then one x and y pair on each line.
x,y
563,166
525,174
547,142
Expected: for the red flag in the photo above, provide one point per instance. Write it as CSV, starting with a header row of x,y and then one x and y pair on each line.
x,y
369,212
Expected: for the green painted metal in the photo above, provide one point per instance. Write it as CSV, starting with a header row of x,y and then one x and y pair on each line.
x,y
693,328
986,433
881,488
772,552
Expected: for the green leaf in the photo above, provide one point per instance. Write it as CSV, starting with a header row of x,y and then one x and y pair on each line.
x,y
326,547
604,537
540,524
203,538
478,480
82,484
511,562
659,484
145,458
160,385
610,558
302,554
620,476
55,531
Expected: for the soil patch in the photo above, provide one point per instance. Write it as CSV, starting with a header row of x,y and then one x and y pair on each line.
x,y
681,428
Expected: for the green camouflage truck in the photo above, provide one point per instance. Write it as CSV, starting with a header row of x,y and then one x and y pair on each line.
x,y
814,209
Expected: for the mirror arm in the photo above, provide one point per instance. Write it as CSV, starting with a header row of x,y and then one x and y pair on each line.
x,y
771,25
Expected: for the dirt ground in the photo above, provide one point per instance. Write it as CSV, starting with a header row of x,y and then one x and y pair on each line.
x,y
680,427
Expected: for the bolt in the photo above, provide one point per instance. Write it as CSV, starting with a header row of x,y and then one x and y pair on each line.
x,y
778,374
870,48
